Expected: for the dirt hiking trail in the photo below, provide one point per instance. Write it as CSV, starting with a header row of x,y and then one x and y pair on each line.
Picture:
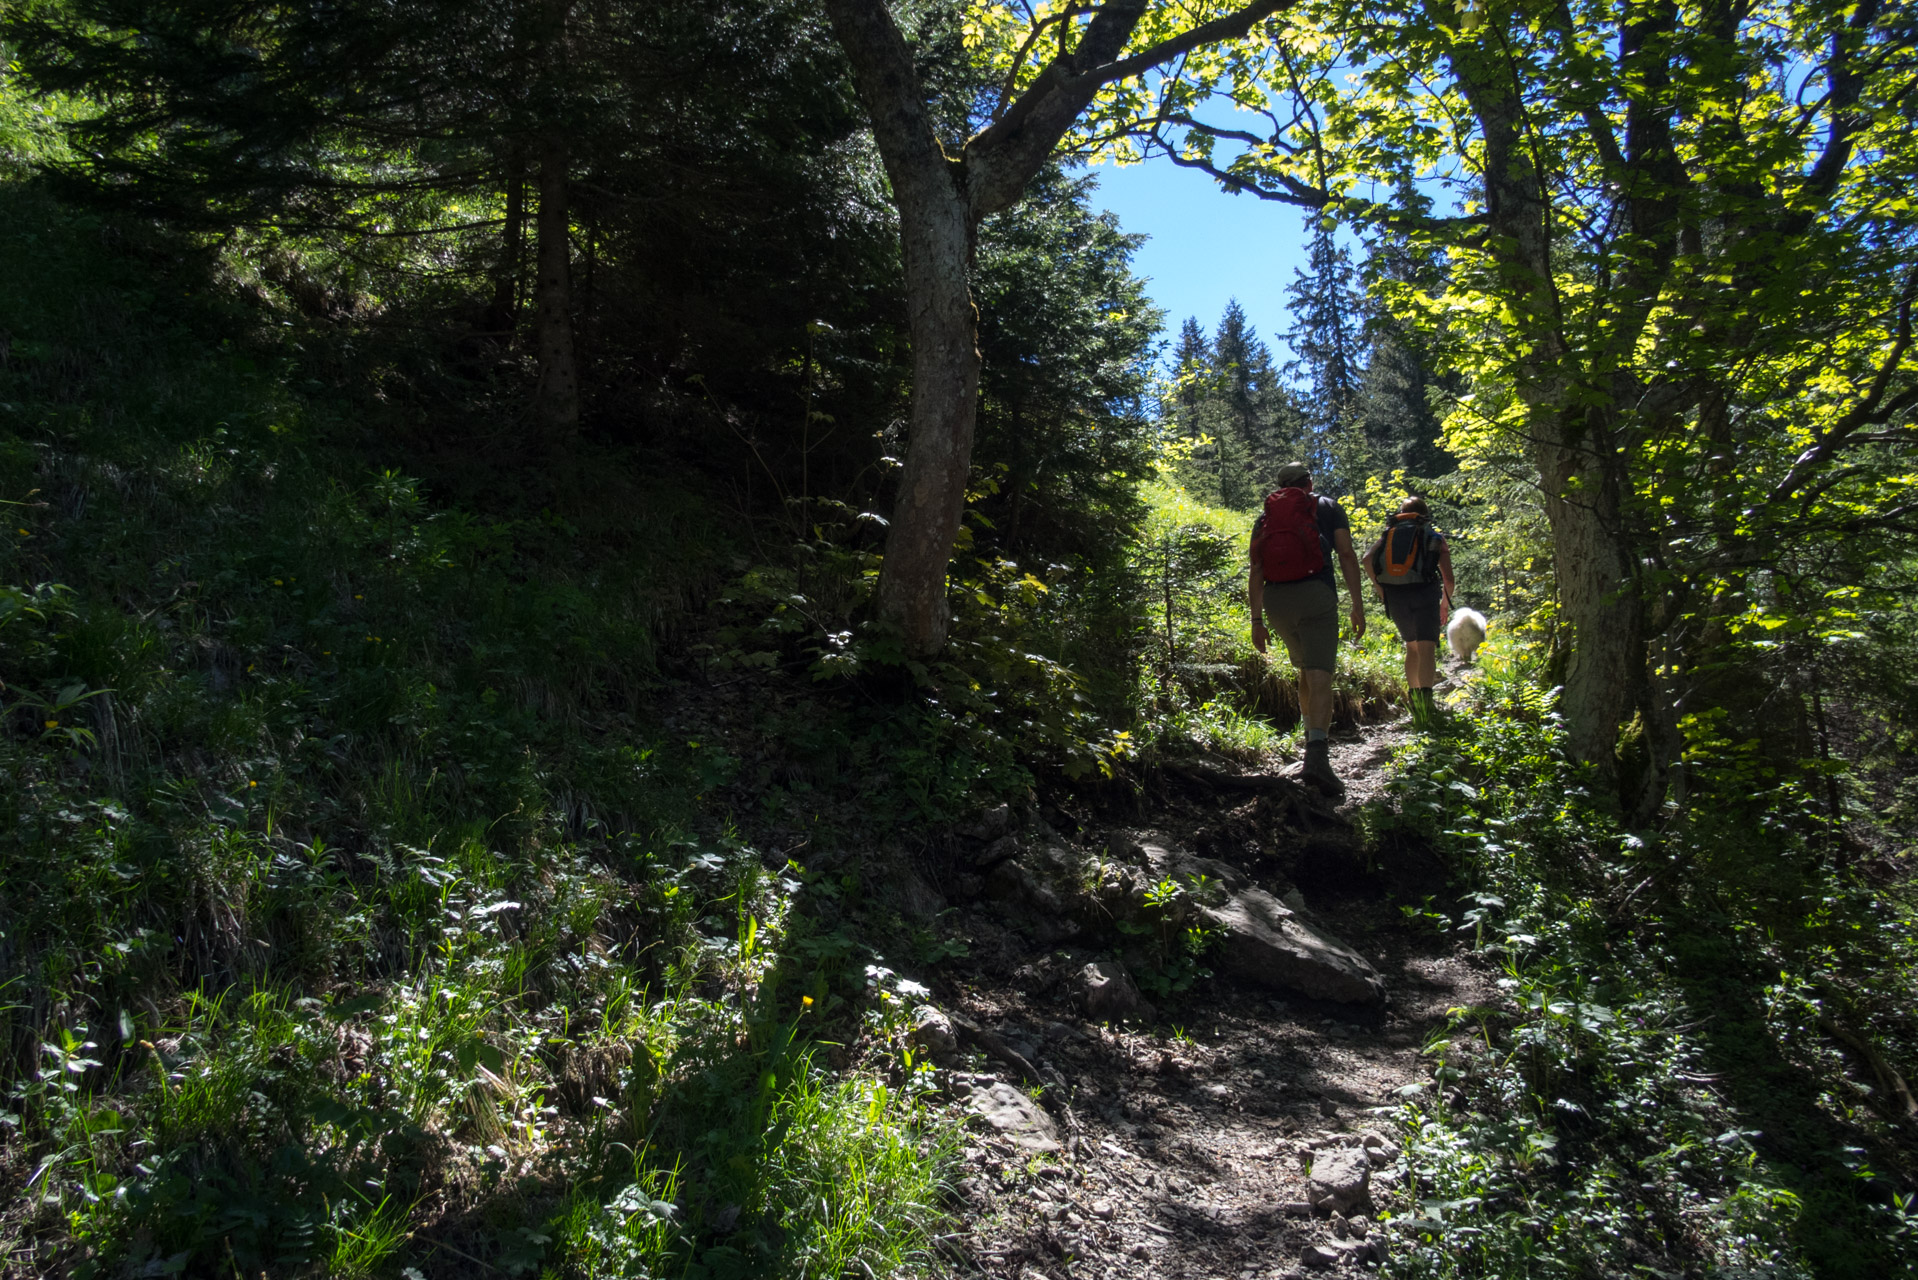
x,y
1178,1145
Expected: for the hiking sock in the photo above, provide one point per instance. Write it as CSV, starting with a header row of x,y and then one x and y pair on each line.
x,y
1420,702
1315,735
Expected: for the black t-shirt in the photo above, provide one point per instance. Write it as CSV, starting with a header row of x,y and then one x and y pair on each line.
x,y
1332,518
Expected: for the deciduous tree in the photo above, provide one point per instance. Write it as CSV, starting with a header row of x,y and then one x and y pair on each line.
x,y
944,185
1680,239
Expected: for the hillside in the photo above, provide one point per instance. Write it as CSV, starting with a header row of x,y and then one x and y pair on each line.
x,y
625,647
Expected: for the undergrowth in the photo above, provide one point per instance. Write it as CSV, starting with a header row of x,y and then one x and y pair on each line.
x,y
1627,1105
361,912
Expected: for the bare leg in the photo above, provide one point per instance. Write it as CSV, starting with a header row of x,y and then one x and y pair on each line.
x,y
1315,698
1421,663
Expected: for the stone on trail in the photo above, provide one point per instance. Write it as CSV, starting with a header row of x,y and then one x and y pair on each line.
x,y
1269,943
1380,1151
1109,993
1338,1180
933,1032
1015,1116
1319,1256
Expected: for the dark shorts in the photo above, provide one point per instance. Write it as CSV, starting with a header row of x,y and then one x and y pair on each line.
x,y
1414,611
1305,615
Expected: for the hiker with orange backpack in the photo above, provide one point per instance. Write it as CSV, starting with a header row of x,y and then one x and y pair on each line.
x,y
1411,568
1291,585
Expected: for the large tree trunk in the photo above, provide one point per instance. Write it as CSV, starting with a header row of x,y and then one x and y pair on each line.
x,y
1600,612
936,226
1600,615
556,400
936,235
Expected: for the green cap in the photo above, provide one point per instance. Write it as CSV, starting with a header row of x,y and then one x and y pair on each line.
x,y
1293,473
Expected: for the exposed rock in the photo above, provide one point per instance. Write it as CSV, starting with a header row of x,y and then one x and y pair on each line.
x,y
1318,1256
996,1045
1377,1148
997,852
1109,993
1266,941
1015,1116
933,1031
1188,868
992,824
917,900
1056,859
1013,880
1338,1180
1269,943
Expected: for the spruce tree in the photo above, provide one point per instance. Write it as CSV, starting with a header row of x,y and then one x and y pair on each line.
x,y
1329,339
1244,381
1395,404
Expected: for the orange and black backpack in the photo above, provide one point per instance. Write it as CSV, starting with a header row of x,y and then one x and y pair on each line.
x,y
1407,553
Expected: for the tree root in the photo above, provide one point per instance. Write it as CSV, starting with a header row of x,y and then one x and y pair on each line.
x,y
1893,1093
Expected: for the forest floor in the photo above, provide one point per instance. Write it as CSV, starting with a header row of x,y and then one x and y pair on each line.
x,y
1185,1144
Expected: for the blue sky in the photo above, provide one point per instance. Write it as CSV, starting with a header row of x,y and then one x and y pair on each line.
x,y
1206,246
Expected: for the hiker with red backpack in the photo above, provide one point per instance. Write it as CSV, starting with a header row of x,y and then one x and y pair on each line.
x,y
1291,585
1411,568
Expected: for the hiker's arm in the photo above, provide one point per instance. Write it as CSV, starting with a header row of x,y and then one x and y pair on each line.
x,y
1371,572
1255,600
1349,563
1445,572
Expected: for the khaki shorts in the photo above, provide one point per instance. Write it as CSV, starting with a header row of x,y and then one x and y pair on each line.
x,y
1306,616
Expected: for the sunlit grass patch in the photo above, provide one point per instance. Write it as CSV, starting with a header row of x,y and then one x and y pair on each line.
x,y
1219,727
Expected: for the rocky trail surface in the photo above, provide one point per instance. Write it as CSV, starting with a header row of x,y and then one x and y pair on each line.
x,y
1232,1128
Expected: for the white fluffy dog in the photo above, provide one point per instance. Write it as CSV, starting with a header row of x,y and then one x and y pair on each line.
x,y
1466,633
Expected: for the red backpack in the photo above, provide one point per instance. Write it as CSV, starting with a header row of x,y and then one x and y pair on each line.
x,y
1286,540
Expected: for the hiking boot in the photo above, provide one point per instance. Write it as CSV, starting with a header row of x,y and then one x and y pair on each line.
x,y
1318,769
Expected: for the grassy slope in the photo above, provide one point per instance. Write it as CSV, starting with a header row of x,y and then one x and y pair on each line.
x,y
375,896
351,891
1659,1091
